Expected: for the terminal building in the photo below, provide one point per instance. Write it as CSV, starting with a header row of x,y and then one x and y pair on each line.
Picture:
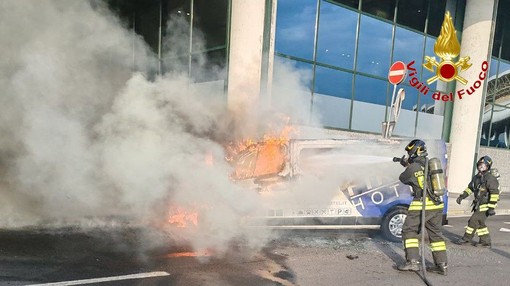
x,y
345,48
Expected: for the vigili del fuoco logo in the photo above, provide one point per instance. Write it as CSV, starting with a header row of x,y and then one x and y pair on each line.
x,y
447,48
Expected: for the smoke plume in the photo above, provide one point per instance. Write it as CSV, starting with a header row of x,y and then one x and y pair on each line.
x,y
86,139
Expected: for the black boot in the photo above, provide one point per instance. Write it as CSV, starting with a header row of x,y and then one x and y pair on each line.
x,y
411,265
484,245
440,268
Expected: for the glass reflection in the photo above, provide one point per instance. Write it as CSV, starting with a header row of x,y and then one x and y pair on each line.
x,y
499,126
295,27
374,46
284,65
411,100
352,3
380,8
412,14
405,125
370,90
496,117
409,47
210,18
429,51
427,103
208,66
436,16
493,68
333,82
337,35
176,33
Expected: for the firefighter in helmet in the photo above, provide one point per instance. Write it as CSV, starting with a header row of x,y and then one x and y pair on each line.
x,y
414,176
485,188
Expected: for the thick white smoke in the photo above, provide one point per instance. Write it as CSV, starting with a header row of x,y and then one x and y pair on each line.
x,y
84,138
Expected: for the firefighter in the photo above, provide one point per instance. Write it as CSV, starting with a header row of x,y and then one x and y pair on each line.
x,y
414,176
485,188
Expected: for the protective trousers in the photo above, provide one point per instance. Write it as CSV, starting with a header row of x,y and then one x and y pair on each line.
x,y
477,224
411,235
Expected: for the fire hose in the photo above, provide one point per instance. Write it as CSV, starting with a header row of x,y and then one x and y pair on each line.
x,y
423,217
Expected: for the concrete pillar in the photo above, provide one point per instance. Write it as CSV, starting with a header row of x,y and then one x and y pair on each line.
x,y
464,139
245,53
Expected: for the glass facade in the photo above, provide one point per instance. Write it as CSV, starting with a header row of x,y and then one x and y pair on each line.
x,y
496,113
185,36
345,47
349,46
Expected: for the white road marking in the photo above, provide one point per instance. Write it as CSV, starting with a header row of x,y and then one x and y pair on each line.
x,y
506,222
106,279
504,229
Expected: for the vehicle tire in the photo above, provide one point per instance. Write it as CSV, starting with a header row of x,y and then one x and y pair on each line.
x,y
391,226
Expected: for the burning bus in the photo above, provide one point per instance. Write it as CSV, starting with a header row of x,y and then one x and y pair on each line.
x,y
329,183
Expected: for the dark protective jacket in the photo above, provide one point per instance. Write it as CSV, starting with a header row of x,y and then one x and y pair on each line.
x,y
414,176
485,189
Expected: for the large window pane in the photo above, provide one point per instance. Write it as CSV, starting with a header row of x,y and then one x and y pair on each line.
x,y
429,51
291,90
374,47
176,33
491,85
351,3
370,90
411,100
332,98
406,124
500,126
430,126
337,35
332,111
147,20
426,102
493,68
208,66
284,66
496,117
502,91
360,110
333,82
210,17
295,27
486,135
408,48
412,14
436,16
178,65
125,10
380,8
503,21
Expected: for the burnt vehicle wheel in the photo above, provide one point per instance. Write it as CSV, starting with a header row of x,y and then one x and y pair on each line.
x,y
392,223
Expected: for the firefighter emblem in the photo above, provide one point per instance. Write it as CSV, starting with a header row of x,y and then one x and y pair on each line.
x,y
447,47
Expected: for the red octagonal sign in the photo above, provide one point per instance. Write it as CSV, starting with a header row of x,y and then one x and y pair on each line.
x,y
397,72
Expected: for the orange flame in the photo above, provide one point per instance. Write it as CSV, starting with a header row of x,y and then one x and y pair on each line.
x,y
182,218
189,254
252,159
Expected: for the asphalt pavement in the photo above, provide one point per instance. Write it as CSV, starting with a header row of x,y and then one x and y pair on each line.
x,y
314,258
334,260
